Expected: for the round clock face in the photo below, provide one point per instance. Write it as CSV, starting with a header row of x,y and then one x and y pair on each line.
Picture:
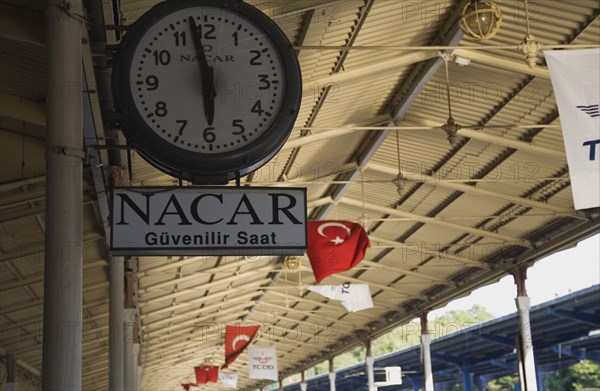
x,y
206,88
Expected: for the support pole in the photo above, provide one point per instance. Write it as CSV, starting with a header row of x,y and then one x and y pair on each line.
x,y
130,359
466,371
132,338
63,257
426,353
117,327
370,367
303,385
523,306
11,381
331,375
280,385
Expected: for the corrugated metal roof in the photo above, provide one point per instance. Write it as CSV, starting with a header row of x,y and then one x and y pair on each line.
x,y
464,216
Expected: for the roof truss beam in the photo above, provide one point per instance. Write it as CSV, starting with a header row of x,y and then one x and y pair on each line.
x,y
435,181
22,25
424,219
594,320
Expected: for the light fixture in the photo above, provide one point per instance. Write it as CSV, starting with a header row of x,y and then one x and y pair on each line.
x,y
450,127
481,19
291,264
399,181
462,61
530,47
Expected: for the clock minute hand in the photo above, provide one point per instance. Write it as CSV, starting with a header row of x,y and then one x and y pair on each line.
x,y
207,75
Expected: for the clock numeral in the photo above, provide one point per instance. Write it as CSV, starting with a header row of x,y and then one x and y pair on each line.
x,y
183,125
209,135
152,82
180,38
162,57
161,109
238,123
265,83
254,60
236,38
257,108
207,31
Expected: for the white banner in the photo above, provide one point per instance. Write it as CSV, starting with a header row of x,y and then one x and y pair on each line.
x,y
575,77
354,297
262,363
228,379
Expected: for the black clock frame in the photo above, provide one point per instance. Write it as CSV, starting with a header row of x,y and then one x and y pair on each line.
x,y
197,167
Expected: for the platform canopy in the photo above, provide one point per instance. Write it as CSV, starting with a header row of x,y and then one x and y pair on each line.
x,y
443,218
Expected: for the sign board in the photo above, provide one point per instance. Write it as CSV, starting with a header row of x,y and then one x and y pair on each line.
x,y
235,221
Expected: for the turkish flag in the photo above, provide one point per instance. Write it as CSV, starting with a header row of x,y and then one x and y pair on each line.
x,y
335,246
237,338
206,374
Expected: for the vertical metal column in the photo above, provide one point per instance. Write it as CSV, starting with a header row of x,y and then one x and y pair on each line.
x,y
130,359
136,357
466,371
331,375
370,367
426,353
303,385
63,257
11,381
117,327
523,306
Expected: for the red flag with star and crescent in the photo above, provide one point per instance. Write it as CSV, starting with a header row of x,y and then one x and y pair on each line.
x,y
335,246
237,338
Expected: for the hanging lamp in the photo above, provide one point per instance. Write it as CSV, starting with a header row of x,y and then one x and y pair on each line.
x,y
481,19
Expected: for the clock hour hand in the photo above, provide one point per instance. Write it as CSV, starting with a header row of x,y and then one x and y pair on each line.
x,y
207,75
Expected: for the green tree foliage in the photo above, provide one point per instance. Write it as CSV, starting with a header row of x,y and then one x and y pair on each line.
x,y
506,383
585,374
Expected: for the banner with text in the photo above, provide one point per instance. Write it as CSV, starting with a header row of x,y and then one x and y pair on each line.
x,y
575,77
262,363
234,221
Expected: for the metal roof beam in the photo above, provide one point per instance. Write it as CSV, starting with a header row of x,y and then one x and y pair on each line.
x,y
327,304
386,287
22,109
396,63
329,134
189,319
174,339
450,359
434,181
438,254
493,338
13,214
200,300
514,144
397,270
194,276
22,25
517,66
581,354
13,253
298,321
594,320
424,219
